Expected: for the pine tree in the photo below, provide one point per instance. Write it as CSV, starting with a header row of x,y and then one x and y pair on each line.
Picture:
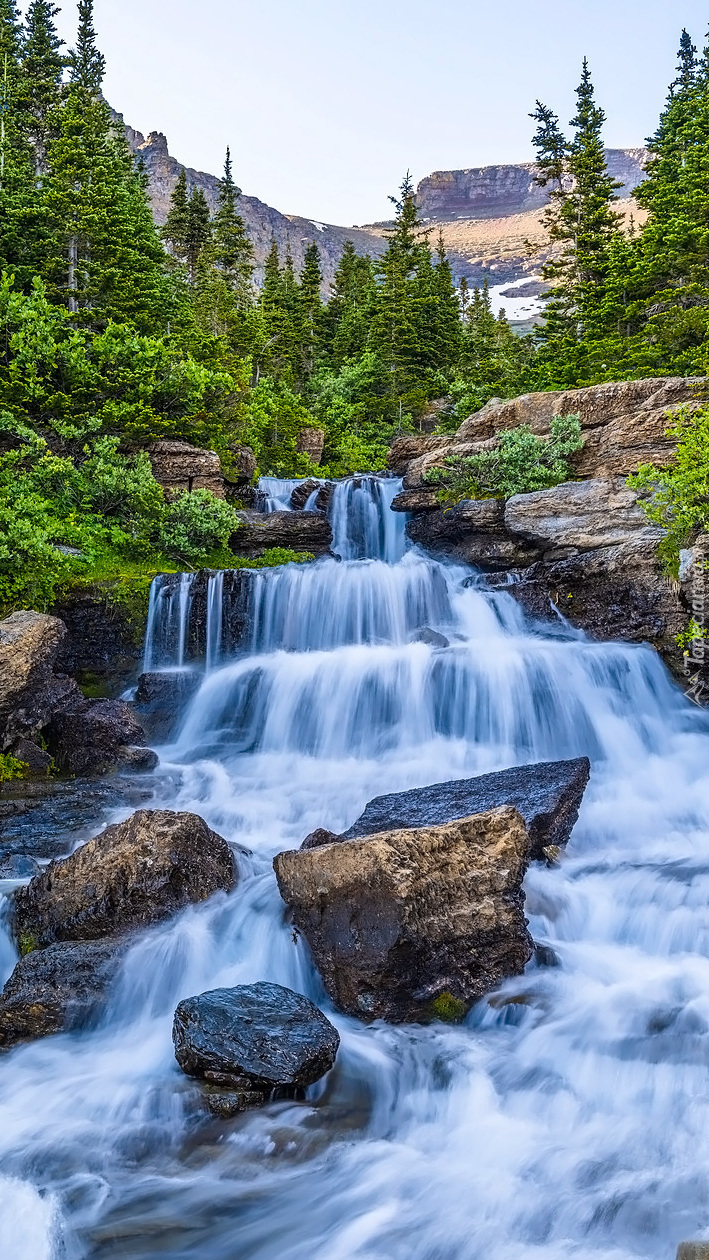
x,y
199,232
175,230
107,261
349,310
231,250
687,65
310,310
447,320
18,200
42,67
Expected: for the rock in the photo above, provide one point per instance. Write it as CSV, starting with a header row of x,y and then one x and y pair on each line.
x,y
434,412
35,758
245,463
29,690
414,923
423,500
298,531
311,442
431,637
318,837
579,516
17,866
131,875
472,531
547,794
412,446
57,990
257,1041
161,700
95,736
693,1251
105,634
302,493
177,466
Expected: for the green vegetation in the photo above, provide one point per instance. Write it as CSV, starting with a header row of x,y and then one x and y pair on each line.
x,y
11,768
678,496
518,463
449,1009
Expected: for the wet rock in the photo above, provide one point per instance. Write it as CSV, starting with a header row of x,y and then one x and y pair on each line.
x,y
93,737
30,692
473,531
411,924
161,700
56,990
131,875
302,493
104,637
432,637
17,866
255,1041
298,531
37,759
320,836
177,466
547,794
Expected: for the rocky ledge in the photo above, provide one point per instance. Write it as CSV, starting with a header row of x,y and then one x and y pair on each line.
x,y
418,910
297,531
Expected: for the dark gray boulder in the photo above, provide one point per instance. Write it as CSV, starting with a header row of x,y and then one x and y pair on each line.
x,y
57,989
431,637
95,736
256,1041
18,866
162,697
133,874
297,531
547,794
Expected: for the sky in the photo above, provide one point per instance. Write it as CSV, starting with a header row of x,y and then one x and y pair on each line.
x,y
327,103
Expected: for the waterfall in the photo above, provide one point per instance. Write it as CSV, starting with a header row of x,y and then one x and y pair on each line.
x,y
568,1116
274,493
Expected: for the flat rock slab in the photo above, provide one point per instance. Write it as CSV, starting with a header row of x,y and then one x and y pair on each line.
x,y
547,794
57,989
253,1040
414,924
131,875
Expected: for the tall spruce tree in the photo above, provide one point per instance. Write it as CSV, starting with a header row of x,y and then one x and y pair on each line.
x,y
348,313
42,67
175,230
231,249
310,311
107,262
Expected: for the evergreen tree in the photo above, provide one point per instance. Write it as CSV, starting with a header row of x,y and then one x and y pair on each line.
x,y
231,250
350,307
199,232
107,261
447,320
18,199
175,231
42,66
310,311
687,65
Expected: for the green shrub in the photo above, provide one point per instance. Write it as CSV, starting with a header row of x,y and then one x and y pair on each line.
x,y
679,494
11,768
518,463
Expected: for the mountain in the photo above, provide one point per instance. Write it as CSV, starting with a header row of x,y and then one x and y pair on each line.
x,y
263,222
495,192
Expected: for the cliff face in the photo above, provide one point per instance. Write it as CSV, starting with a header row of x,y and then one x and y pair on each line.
x,y
262,221
494,192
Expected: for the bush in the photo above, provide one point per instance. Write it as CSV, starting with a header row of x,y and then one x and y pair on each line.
x,y
193,525
518,463
679,494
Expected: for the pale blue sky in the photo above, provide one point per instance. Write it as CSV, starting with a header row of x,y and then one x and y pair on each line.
x,y
326,104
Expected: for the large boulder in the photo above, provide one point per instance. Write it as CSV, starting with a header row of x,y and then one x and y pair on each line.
x,y
414,924
30,692
258,1041
95,736
177,466
547,794
579,516
311,442
57,989
297,531
473,532
131,875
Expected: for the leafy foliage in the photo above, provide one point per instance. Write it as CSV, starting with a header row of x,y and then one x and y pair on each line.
x,y
519,463
678,496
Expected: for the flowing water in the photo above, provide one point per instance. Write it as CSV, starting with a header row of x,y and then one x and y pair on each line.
x,y
569,1115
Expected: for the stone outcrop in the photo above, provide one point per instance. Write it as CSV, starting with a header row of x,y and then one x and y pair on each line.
x,y
311,442
693,1251
491,192
623,425
303,491
546,794
177,466
161,699
131,875
93,737
58,989
413,924
472,531
298,531
30,692
254,1043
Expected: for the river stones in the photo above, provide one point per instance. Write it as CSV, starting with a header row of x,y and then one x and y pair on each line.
x,y
252,1043
57,989
131,875
546,794
415,923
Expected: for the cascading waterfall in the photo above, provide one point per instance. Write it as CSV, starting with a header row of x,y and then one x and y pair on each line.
x,y
569,1115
